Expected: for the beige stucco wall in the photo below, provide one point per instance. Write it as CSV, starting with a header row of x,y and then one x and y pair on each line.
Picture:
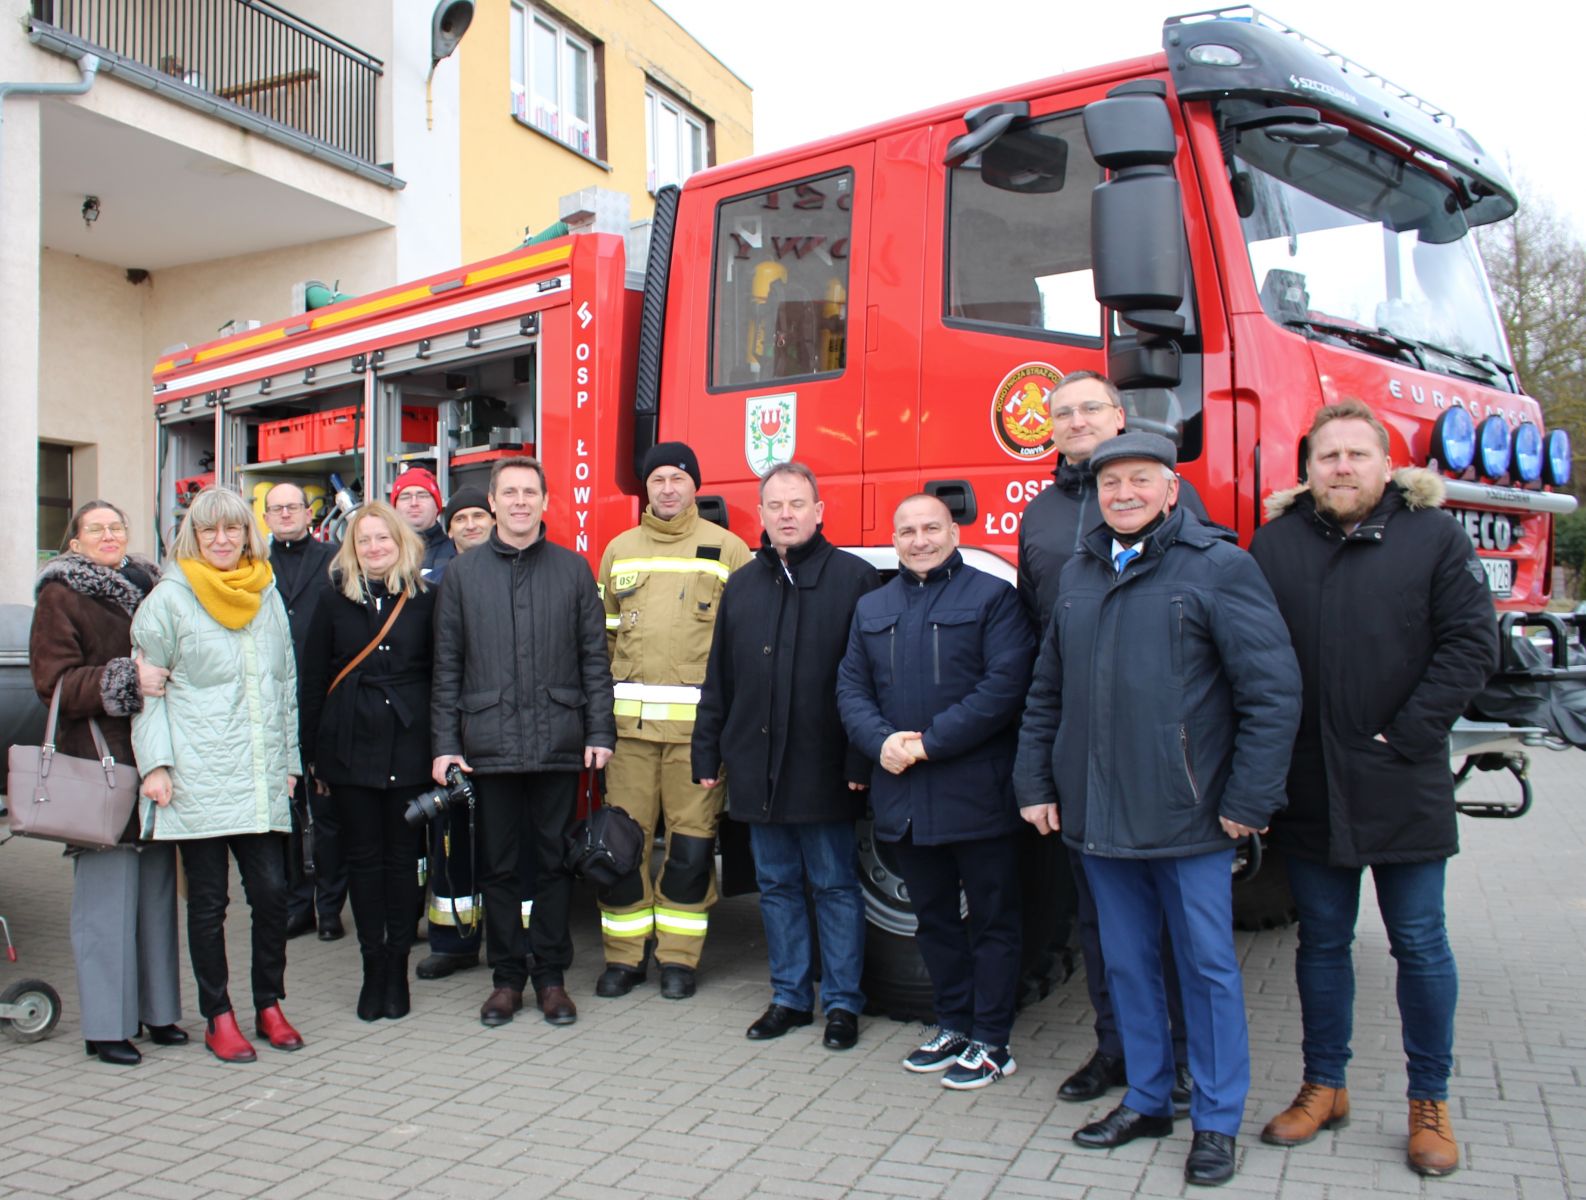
x,y
513,175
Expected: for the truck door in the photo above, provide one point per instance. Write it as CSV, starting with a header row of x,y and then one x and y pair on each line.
x,y
783,310
1008,310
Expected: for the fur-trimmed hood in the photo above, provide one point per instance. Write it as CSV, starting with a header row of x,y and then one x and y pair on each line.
x,y
1422,489
88,578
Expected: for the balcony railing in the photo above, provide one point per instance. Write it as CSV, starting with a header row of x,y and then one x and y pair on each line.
x,y
249,53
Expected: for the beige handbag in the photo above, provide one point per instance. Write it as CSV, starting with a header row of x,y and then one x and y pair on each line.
x,y
59,798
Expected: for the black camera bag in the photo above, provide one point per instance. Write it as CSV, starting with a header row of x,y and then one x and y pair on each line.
x,y
606,846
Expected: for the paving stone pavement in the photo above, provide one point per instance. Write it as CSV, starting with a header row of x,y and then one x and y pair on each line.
x,y
646,1097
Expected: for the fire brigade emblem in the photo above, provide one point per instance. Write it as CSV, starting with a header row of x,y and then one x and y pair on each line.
x,y
769,431
1021,411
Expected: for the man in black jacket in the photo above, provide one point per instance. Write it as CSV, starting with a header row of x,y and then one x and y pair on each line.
x,y
1156,731
1391,617
301,564
417,496
1087,413
522,701
767,714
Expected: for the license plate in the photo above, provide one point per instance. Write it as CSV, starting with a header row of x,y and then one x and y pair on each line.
x,y
1500,575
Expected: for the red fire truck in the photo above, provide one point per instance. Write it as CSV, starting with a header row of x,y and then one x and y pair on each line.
x,y
1237,229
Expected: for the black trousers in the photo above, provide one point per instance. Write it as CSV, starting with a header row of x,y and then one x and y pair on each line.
x,y
1107,1037
973,965
261,858
382,877
324,892
536,807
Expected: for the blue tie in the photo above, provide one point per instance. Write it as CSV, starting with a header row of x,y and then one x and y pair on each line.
x,y
1124,557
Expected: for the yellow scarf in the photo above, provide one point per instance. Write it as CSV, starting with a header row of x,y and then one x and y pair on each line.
x,y
231,597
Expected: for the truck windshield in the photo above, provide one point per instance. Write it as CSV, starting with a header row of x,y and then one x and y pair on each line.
x,y
1350,240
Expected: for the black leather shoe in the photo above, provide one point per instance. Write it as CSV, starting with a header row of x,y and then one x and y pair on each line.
x,y
299,925
1183,1089
777,1020
439,966
1211,1159
677,983
117,1054
1120,1127
167,1035
331,929
1093,1080
618,980
842,1030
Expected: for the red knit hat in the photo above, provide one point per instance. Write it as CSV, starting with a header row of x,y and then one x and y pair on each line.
x,y
417,477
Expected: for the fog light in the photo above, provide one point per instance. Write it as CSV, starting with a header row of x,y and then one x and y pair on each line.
x,y
1528,452
1492,437
1454,440
1557,463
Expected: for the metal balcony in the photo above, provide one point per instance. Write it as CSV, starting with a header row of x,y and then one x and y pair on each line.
x,y
250,55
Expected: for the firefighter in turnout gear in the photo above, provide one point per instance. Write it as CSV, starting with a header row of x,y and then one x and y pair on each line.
x,y
661,582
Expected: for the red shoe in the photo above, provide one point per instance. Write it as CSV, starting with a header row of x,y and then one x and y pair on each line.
x,y
225,1040
272,1024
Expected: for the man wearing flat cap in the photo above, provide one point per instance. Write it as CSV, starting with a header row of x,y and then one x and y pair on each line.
x,y
1156,733
662,582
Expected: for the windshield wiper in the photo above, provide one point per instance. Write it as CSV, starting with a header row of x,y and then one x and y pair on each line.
x,y
1378,340
1492,368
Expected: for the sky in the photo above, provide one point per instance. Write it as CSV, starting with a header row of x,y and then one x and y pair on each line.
x,y
818,67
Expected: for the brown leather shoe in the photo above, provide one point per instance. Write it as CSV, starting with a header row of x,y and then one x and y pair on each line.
x,y
499,1006
1315,1108
1433,1150
556,1004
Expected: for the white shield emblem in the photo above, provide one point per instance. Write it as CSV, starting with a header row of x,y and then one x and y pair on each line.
x,y
770,431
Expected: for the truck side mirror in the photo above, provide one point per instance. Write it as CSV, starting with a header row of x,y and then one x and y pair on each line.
x,y
1137,220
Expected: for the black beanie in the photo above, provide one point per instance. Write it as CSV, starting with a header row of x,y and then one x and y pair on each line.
x,y
671,454
464,497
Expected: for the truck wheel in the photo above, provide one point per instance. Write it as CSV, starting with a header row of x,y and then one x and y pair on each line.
x,y
894,981
1265,902
37,1008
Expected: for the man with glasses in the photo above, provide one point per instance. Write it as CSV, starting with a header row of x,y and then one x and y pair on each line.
x,y
417,496
301,564
1087,413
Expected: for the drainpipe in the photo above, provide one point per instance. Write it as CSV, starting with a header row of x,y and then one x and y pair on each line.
x,y
88,64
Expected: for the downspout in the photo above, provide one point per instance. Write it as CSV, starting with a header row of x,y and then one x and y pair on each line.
x,y
88,64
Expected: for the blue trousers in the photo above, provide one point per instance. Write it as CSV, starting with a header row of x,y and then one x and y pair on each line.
x,y
1410,897
1195,897
824,855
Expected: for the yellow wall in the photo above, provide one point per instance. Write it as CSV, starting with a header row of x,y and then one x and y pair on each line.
x,y
513,174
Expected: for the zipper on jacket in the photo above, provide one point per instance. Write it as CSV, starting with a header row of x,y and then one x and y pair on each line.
x,y
936,651
892,658
1189,771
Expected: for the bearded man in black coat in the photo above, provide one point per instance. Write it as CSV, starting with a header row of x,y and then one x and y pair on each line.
x,y
1394,629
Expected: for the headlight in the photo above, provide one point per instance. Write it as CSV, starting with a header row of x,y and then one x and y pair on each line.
x,y
1492,438
1557,460
1454,440
1528,452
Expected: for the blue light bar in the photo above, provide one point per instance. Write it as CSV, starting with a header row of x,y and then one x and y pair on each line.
x,y
1492,436
1528,452
1454,440
1557,462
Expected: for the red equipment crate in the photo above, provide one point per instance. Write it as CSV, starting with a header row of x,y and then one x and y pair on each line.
x,y
419,425
338,429
291,438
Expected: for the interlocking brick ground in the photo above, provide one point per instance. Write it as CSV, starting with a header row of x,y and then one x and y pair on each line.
x,y
645,1097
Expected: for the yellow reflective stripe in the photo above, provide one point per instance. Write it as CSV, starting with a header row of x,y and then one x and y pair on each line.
x,y
657,693
673,566
637,924
528,905
654,712
614,621
690,924
440,910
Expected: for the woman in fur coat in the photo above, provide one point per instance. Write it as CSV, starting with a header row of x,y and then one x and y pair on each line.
x,y
123,899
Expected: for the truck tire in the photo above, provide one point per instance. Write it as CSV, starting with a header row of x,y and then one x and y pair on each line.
x,y
1264,901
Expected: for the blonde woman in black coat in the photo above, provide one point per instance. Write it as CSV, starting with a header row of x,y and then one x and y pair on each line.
x,y
366,734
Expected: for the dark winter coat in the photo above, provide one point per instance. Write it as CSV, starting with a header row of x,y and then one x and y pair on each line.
x,y
373,731
522,680
1055,524
949,656
768,709
1395,632
302,575
439,549
1164,698
82,638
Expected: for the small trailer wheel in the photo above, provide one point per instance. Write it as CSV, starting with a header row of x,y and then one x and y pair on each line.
x,y
34,1008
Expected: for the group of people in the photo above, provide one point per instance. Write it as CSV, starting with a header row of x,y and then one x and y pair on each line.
x,y
1150,694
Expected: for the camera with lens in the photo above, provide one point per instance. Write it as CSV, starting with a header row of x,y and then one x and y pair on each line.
x,y
426,806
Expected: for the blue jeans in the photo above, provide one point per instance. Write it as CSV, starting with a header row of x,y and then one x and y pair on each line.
x,y
1410,897
825,855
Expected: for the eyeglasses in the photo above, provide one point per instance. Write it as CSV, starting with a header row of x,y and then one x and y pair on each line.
x,y
283,510
115,529
214,531
1091,408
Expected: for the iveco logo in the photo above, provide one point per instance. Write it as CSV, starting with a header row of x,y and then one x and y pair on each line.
x,y
1488,530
